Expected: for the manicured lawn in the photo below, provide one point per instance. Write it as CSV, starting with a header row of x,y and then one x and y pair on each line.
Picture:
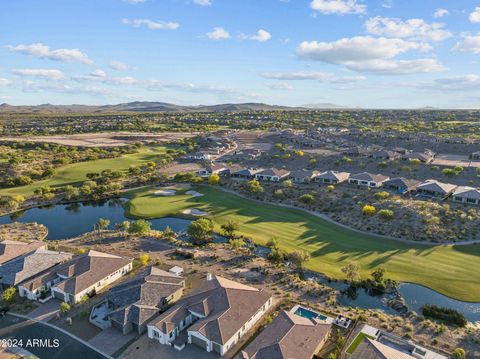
x,y
356,342
448,269
77,172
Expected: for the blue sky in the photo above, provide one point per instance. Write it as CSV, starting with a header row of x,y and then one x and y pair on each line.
x,y
379,54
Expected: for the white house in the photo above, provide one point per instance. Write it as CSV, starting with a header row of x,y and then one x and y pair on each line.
x,y
83,275
465,194
272,175
215,316
368,180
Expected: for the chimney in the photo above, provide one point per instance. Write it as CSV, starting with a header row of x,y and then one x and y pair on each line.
x,y
209,276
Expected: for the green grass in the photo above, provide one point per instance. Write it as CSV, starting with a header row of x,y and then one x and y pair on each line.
x,y
356,342
76,172
451,270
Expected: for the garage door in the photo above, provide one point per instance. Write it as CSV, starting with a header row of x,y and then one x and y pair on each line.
x,y
59,295
200,342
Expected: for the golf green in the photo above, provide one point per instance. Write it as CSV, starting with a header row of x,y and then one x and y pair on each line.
x,y
451,270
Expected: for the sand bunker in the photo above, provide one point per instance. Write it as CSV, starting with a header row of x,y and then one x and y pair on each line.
x,y
194,193
194,212
166,192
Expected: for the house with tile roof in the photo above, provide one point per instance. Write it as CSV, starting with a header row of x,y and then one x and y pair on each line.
x,y
401,185
130,305
465,194
288,336
332,177
83,275
272,174
28,265
366,179
12,249
214,317
435,189
303,176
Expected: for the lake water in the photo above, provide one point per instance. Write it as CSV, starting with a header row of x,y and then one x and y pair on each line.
x,y
70,220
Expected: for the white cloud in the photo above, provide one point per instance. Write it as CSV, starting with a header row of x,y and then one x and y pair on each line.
x,y
134,2
101,76
368,54
218,33
157,85
310,75
339,7
455,83
358,48
152,25
261,36
5,82
203,2
387,4
468,43
280,86
119,66
46,74
43,51
475,15
440,13
416,29
398,67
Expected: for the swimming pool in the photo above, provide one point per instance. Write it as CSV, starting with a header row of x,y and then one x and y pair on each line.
x,y
310,314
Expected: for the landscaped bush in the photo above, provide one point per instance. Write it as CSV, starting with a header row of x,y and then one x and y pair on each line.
x,y
385,214
447,315
368,210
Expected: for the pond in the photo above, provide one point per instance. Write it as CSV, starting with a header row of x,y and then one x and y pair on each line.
x,y
415,297
71,220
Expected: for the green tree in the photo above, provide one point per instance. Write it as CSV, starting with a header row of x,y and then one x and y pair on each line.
x,y
8,295
254,186
307,199
459,353
103,223
236,244
200,230
229,228
65,307
144,259
378,275
351,271
298,258
140,226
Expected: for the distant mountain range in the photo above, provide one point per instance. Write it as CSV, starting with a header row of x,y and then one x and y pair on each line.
x,y
143,106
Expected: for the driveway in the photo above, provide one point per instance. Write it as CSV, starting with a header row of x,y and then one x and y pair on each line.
x,y
145,347
45,341
110,340
45,311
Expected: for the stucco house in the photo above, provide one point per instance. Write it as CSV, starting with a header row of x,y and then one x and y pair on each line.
x,y
12,249
28,265
425,157
368,179
130,305
385,155
214,168
303,176
332,177
288,336
401,185
434,188
214,317
465,194
82,275
272,175
245,173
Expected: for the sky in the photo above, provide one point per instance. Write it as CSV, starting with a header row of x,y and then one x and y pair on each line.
x,y
356,53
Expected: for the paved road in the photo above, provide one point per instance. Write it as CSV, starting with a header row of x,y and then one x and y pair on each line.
x,y
27,330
